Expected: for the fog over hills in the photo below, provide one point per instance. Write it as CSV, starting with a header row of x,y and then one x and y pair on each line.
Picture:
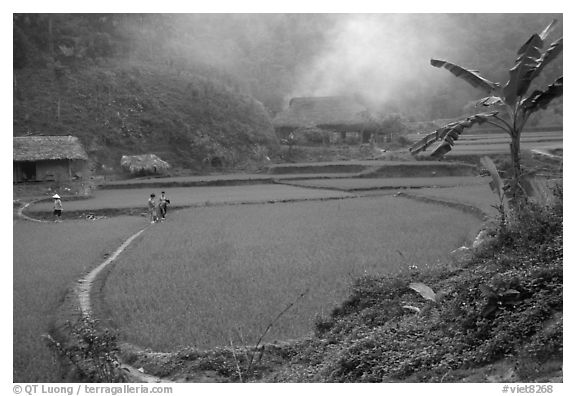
x,y
236,59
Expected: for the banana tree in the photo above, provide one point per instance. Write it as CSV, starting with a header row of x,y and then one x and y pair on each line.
x,y
512,106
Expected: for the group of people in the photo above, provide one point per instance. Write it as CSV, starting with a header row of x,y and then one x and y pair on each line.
x,y
157,210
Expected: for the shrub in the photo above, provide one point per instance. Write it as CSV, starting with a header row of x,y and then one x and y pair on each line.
x,y
92,352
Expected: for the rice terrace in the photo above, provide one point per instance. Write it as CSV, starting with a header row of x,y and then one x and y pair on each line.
x,y
197,227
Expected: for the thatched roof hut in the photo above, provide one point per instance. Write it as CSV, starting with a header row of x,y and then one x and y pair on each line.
x,y
145,163
48,158
42,148
328,112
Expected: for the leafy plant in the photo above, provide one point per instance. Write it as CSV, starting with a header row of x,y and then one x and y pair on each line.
x,y
498,186
92,352
513,103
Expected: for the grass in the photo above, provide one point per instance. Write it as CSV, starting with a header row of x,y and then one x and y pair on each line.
x,y
183,196
213,274
355,184
47,259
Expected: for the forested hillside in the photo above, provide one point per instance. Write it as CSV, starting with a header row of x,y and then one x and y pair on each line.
x,y
78,80
195,86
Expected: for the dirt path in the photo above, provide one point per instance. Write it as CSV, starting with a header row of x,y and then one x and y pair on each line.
x,y
83,289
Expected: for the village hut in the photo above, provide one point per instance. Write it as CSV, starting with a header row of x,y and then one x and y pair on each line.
x,y
338,114
144,164
48,158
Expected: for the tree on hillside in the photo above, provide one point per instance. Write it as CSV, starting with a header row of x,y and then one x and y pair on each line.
x,y
511,102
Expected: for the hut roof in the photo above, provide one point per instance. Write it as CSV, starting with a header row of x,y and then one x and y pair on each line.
x,y
144,162
327,110
37,148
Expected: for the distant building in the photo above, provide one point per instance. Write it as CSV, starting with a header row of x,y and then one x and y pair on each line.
x,y
144,164
48,158
340,115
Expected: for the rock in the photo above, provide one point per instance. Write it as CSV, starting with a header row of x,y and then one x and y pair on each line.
x,y
461,254
482,238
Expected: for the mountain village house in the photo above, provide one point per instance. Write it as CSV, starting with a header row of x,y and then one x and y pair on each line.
x,y
48,158
341,116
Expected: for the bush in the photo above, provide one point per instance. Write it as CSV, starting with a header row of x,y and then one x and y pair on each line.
x,y
92,352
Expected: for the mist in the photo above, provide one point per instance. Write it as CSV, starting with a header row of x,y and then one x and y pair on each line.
x,y
375,56
382,58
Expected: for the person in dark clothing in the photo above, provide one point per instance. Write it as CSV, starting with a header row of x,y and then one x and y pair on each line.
x,y
163,205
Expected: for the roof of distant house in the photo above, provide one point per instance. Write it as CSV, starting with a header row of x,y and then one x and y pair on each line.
x,y
143,162
37,148
322,110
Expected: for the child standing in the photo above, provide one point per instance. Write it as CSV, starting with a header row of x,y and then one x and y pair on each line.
x,y
152,209
57,208
163,205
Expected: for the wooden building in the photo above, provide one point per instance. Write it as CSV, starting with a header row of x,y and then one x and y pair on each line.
x,y
340,115
48,158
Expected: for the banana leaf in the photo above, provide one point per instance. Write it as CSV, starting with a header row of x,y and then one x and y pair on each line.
x,y
521,73
497,184
553,51
451,131
489,101
548,29
540,99
471,76
528,64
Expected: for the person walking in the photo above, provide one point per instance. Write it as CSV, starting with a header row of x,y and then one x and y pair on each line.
x,y
152,211
163,205
57,208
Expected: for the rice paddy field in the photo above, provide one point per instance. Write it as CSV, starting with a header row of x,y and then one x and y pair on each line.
x,y
361,184
212,275
47,259
497,143
186,196
480,196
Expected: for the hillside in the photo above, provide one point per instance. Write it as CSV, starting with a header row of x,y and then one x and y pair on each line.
x,y
119,107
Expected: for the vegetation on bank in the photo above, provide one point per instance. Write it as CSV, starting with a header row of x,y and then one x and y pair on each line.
x,y
504,302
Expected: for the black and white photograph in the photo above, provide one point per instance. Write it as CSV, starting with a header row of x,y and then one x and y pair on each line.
x,y
286,197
